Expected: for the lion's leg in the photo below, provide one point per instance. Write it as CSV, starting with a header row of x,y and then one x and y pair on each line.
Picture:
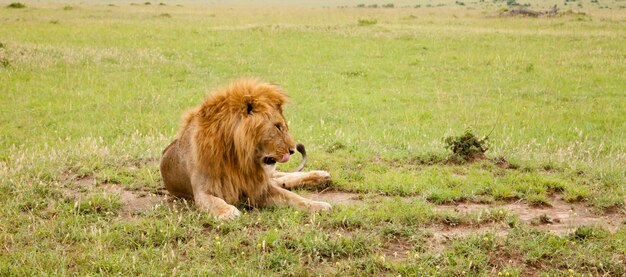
x,y
210,203
298,179
280,196
174,173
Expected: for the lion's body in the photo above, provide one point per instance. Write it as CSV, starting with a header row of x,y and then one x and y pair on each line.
x,y
227,147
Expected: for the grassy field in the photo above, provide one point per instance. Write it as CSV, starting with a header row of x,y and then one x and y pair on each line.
x,y
91,93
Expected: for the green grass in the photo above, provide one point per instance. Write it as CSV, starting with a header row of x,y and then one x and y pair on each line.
x,y
95,92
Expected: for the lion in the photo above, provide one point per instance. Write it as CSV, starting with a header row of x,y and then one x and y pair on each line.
x,y
227,149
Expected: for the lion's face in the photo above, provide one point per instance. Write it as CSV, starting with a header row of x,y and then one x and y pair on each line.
x,y
276,144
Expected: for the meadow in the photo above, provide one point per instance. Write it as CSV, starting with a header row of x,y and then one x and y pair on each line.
x,y
91,93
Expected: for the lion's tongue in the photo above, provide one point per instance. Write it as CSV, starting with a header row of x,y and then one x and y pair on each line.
x,y
285,158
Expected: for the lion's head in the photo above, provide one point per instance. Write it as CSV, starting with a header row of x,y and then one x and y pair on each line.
x,y
242,127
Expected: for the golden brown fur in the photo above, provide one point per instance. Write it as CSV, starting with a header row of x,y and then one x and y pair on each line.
x,y
226,151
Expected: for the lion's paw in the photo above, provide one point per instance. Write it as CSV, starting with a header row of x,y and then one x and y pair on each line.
x,y
321,176
317,206
228,212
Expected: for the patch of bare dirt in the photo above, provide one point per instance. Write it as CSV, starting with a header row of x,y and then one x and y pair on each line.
x,y
396,250
133,201
336,197
559,217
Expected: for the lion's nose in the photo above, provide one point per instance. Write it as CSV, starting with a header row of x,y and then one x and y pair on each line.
x,y
291,152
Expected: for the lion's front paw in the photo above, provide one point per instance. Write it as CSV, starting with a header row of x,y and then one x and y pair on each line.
x,y
323,175
228,212
315,206
319,177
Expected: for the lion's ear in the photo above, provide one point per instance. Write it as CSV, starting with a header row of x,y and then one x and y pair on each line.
x,y
249,107
249,104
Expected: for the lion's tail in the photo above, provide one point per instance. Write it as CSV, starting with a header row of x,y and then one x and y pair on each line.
x,y
300,148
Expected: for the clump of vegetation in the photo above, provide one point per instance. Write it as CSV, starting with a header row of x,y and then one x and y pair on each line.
x,y
373,6
542,220
16,5
388,5
4,62
98,204
355,73
335,146
512,3
587,232
466,147
460,3
367,21
147,3
68,8
360,6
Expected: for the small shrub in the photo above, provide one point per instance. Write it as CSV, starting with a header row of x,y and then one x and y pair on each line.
x,y
147,3
4,62
360,6
162,4
356,73
16,5
335,147
388,5
460,3
367,21
587,232
542,220
512,3
68,8
466,147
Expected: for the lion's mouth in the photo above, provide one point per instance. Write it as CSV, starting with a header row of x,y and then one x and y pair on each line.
x,y
272,160
269,160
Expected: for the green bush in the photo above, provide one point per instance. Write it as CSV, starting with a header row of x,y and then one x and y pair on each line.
x,y
367,21
466,147
16,5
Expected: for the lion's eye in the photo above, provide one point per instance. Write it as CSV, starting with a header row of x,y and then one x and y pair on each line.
x,y
278,127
